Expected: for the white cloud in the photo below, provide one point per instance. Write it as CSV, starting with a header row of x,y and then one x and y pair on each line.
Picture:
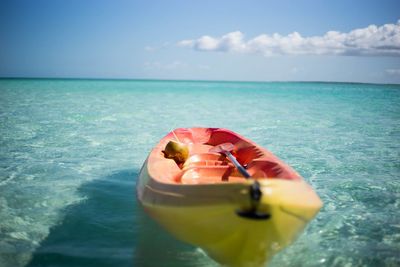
x,y
155,65
232,41
394,72
369,41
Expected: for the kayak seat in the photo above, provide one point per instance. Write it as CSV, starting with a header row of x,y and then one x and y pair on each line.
x,y
203,159
165,169
206,163
208,175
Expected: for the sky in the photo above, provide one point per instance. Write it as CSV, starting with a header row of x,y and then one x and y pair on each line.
x,y
302,40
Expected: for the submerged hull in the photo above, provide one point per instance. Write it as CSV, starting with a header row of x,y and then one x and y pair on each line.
x,y
209,214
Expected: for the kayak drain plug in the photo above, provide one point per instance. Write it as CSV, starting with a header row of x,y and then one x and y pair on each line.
x,y
255,197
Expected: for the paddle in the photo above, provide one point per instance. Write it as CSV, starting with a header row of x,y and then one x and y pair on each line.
x,y
226,149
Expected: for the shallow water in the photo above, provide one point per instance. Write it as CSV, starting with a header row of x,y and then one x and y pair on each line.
x,y
70,152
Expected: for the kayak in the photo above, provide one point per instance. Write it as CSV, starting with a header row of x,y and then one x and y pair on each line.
x,y
225,194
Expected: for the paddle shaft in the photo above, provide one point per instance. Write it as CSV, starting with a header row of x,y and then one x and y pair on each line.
x,y
241,169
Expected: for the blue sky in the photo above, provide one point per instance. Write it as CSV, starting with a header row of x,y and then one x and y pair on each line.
x,y
202,40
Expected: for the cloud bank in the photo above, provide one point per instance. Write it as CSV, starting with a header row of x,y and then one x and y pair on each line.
x,y
395,72
370,41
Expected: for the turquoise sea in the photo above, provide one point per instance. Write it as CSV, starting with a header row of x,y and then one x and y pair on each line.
x,y
71,150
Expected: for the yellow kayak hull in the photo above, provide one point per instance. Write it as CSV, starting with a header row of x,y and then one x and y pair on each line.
x,y
207,216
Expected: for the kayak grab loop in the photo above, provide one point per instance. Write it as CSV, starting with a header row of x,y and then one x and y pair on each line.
x,y
255,197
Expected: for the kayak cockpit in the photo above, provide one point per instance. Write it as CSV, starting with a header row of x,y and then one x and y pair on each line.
x,y
205,167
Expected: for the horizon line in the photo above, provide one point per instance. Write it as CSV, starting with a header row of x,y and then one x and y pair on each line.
x,y
186,80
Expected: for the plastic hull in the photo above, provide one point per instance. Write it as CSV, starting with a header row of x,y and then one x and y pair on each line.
x,y
207,214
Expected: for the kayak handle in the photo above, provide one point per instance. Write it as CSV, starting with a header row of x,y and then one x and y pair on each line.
x,y
255,197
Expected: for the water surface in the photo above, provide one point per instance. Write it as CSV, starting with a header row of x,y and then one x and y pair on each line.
x,y
71,150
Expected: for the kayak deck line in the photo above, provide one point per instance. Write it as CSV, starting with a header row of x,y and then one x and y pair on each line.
x,y
202,198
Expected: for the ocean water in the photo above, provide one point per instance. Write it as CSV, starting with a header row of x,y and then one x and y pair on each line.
x,y
71,150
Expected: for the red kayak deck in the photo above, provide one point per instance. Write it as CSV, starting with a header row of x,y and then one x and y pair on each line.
x,y
204,167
